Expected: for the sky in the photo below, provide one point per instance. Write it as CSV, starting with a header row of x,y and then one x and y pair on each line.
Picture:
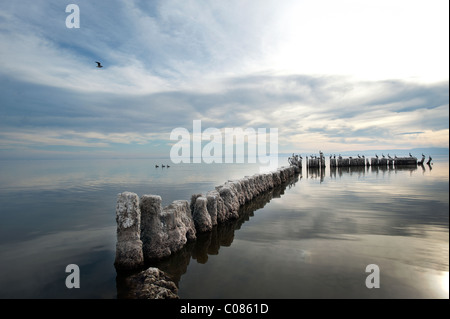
x,y
329,75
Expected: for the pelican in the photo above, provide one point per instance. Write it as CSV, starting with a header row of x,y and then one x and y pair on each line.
x,y
168,166
395,156
410,155
156,166
99,65
383,155
163,165
376,155
389,156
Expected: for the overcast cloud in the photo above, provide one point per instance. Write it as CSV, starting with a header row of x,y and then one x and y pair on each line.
x,y
330,75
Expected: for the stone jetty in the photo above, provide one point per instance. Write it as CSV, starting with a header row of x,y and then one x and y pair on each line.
x,y
147,231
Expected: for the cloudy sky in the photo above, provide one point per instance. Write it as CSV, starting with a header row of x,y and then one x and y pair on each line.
x,y
330,75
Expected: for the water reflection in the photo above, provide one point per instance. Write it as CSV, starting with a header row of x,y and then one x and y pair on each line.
x,y
320,173
208,243
315,241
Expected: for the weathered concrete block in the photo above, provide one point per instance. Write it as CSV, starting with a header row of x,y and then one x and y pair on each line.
x,y
283,176
230,201
221,209
129,245
153,231
245,185
178,225
211,206
252,191
276,178
165,231
193,199
237,189
202,219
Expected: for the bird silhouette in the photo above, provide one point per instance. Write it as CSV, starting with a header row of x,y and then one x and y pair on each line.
x,y
156,166
99,65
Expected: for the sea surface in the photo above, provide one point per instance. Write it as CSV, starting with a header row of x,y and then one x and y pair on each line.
x,y
311,238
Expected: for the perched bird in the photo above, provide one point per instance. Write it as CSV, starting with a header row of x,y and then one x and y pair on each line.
x,y
163,165
376,155
389,156
168,166
383,155
410,155
99,65
156,166
395,156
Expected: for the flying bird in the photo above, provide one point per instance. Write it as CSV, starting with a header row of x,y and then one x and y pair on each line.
x,y
99,65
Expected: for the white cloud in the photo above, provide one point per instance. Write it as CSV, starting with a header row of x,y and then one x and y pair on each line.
x,y
302,67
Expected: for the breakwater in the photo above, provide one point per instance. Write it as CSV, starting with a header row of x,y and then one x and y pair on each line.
x,y
135,284
147,231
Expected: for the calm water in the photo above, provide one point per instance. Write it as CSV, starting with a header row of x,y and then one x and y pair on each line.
x,y
312,238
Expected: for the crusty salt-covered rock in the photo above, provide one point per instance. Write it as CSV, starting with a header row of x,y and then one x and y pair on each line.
x,y
251,187
269,179
153,232
258,183
245,189
237,189
283,176
165,231
193,199
178,223
211,206
231,203
129,245
222,211
202,219
152,283
276,178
